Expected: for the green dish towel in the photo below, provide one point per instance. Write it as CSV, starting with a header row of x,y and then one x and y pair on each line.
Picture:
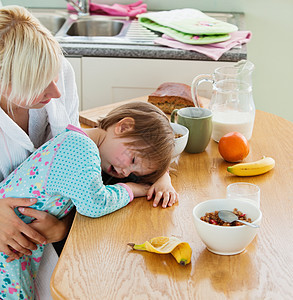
x,y
188,25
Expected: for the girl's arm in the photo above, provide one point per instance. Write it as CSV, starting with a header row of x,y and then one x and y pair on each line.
x,y
163,189
138,190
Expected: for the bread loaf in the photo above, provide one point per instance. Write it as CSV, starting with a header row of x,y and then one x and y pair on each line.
x,y
171,95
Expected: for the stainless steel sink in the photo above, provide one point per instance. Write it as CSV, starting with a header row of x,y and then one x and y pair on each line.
x,y
71,28
91,27
104,30
52,21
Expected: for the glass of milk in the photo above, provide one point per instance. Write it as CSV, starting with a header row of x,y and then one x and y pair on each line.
x,y
232,102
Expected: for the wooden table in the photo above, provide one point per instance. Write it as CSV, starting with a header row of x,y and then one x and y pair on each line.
x,y
96,262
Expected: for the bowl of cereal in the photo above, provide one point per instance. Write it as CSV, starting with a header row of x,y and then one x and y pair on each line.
x,y
222,238
181,138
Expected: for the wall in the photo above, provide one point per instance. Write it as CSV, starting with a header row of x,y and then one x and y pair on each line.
x,y
271,47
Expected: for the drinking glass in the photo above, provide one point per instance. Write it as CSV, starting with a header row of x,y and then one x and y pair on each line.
x,y
244,190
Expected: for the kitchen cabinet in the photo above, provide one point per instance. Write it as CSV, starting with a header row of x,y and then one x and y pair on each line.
x,y
109,80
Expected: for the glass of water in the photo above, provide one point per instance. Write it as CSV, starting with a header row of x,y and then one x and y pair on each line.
x,y
244,190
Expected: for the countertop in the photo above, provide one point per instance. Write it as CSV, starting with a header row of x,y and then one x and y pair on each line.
x,y
153,52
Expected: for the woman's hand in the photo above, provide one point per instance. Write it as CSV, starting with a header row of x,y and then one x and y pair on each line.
x,y
163,189
14,233
50,227
53,229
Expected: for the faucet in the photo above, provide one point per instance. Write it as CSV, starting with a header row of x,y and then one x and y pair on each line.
x,y
81,6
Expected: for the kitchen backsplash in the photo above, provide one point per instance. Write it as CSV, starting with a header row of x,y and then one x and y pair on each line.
x,y
228,5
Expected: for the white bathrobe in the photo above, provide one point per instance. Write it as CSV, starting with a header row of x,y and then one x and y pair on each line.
x,y
16,146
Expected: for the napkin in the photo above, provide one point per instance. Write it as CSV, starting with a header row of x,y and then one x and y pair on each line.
x,y
129,10
183,37
214,51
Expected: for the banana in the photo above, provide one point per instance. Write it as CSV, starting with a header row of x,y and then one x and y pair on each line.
x,y
164,245
253,168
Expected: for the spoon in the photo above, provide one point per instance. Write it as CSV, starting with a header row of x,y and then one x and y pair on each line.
x,y
229,216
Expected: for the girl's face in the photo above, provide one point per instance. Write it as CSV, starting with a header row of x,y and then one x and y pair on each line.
x,y
51,91
120,160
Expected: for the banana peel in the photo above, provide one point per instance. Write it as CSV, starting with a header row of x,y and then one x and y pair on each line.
x,y
181,251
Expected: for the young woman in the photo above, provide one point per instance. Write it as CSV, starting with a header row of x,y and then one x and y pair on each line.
x,y
33,73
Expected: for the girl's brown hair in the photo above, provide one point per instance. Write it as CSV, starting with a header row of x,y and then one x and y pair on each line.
x,y
152,134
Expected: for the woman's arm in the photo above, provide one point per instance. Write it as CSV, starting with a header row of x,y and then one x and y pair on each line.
x,y
68,89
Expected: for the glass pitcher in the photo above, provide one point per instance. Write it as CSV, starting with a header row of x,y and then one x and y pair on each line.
x,y
232,102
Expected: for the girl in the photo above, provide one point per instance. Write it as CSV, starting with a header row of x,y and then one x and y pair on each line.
x,y
135,138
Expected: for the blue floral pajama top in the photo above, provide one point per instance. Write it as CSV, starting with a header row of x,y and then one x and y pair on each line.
x,y
64,172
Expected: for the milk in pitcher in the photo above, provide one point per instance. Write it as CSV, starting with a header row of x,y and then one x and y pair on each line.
x,y
232,102
228,121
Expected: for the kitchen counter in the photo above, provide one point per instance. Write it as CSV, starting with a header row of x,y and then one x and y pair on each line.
x,y
153,52
156,51
132,64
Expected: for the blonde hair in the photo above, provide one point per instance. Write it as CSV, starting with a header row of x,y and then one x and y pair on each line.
x,y
152,134
30,57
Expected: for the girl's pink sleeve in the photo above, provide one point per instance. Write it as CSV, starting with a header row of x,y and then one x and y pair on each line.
x,y
129,190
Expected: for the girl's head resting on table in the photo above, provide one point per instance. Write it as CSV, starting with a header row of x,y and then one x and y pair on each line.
x,y
30,59
142,143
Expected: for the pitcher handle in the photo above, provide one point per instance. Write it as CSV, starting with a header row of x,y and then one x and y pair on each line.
x,y
173,115
194,86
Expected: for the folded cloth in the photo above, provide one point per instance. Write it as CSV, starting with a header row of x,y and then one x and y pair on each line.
x,y
214,51
129,10
183,37
188,25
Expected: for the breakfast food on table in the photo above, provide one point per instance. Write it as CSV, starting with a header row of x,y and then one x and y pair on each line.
x,y
164,245
214,219
172,95
178,135
253,168
233,146
181,138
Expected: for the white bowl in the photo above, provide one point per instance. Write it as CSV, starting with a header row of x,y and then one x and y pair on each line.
x,y
180,143
225,240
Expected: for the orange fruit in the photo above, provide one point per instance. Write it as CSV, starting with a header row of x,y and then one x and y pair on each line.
x,y
233,146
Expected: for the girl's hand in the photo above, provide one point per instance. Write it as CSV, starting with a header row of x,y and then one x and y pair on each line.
x,y
163,189
139,190
14,233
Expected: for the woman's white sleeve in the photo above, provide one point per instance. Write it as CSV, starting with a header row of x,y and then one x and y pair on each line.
x,y
70,93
